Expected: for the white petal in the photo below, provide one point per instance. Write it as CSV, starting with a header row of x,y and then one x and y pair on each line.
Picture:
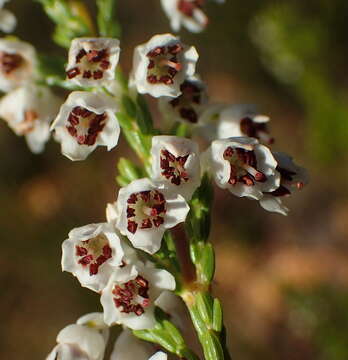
x,y
7,21
88,340
159,356
128,347
273,204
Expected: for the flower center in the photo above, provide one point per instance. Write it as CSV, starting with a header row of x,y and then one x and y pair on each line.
x,y
92,64
132,297
164,64
85,125
173,167
145,209
243,166
187,7
10,62
93,253
185,104
255,130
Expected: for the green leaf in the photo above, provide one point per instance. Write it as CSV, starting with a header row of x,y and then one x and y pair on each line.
x,y
204,304
167,335
71,18
107,20
128,171
207,263
217,316
212,347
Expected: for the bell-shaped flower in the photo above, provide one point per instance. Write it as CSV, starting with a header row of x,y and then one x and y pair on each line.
x,y
92,253
186,13
146,212
79,342
176,164
29,111
92,61
131,294
86,120
243,120
17,64
292,178
243,166
7,20
161,66
187,107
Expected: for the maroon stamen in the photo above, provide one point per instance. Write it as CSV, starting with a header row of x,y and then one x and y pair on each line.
x,y
126,296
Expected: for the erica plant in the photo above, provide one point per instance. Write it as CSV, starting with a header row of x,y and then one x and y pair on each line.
x,y
151,256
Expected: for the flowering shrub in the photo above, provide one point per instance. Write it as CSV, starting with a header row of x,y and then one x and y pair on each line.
x,y
153,247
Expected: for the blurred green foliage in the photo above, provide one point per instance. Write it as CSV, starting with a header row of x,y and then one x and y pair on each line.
x,y
296,47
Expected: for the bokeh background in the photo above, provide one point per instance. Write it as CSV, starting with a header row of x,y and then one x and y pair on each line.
x,y
283,280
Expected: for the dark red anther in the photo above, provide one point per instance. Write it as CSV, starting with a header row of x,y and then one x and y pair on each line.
x,y
132,226
80,55
132,199
107,251
138,310
260,177
151,64
130,212
98,74
93,269
228,152
175,49
166,79
72,131
73,72
145,195
156,51
152,79
146,224
81,251
158,221
105,64
87,74
86,260
73,120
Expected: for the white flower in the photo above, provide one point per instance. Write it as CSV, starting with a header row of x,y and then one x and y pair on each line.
x,y
243,166
187,107
187,13
92,253
17,64
85,121
146,212
130,296
79,342
176,164
7,20
292,178
29,111
161,65
93,61
243,120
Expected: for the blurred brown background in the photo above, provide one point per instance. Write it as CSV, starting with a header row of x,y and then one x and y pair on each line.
x,y
283,280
